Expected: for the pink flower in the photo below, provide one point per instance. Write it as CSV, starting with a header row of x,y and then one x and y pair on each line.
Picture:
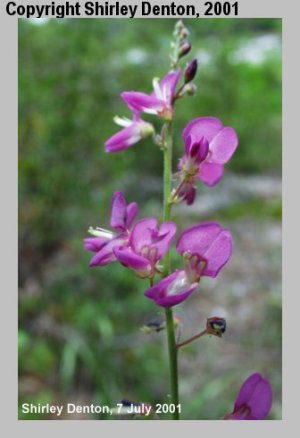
x,y
254,400
133,131
206,248
147,245
172,290
160,102
208,146
104,241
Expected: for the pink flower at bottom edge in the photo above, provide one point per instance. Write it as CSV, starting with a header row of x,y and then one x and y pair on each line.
x,y
254,400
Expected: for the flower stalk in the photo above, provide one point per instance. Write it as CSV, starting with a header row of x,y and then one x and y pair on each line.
x,y
193,338
144,245
167,206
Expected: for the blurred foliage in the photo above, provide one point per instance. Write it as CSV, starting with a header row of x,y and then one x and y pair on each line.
x,y
79,327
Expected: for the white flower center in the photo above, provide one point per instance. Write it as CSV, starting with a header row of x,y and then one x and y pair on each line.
x,y
100,232
157,90
122,121
179,284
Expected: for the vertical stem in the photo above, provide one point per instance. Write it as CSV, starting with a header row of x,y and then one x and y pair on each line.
x,y
173,362
172,348
168,145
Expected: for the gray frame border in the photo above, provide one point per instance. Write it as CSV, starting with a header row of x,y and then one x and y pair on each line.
x,y
286,10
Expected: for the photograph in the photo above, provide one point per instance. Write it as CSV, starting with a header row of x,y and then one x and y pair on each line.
x,y
150,219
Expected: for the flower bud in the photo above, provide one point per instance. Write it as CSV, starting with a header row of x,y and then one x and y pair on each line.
x,y
184,49
216,326
179,25
158,324
183,34
190,71
190,89
155,325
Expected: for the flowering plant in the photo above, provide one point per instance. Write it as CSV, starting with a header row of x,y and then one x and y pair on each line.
x,y
205,247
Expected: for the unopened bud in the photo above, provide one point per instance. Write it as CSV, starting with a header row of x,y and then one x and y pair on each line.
x,y
158,140
158,324
190,71
216,326
176,321
179,25
155,325
190,89
184,49
183,34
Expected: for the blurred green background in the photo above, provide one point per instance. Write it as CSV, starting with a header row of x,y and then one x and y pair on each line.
x,y
79,328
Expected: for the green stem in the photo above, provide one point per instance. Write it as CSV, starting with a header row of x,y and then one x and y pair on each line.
x,y
172,348
168,145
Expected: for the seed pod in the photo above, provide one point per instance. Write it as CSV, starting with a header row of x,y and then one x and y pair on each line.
x,y
216,326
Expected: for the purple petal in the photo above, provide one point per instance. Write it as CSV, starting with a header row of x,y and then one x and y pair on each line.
x,y
166,234
94,244
168,85
190,196
136,115
207,127
132,260
141,233
218,254
172,290
187,192
243,414
189,141
210,173
124,138
106,254
118,212
255,393
210,242
199,150
137,101
159,289
132,211
223,146
174,300
146,239
198,238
